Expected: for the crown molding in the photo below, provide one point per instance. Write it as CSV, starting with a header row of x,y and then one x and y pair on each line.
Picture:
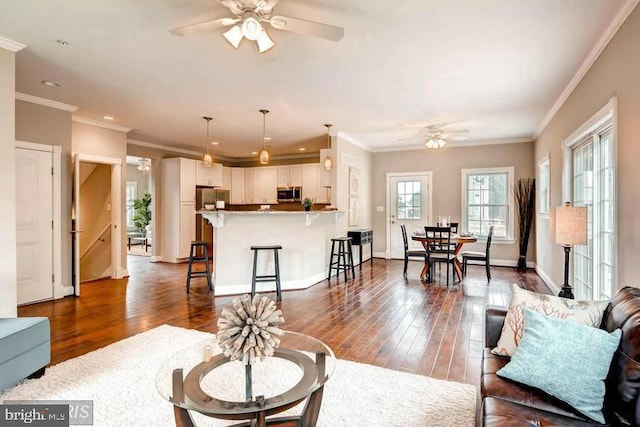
x,y
588,62
11,45
254,159
354,141
455,144
46,102
100,124
174,149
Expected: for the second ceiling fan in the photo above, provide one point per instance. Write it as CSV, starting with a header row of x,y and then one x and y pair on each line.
x,y
247,22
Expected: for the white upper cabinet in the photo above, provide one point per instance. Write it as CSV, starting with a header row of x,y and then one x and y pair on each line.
x,y
265,185
290,176
226,178
187,176
249,185
237,186
210,177
309,181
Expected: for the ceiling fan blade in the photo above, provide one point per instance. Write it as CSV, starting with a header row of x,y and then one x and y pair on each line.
x,y
455,137
302,26
232,5
203,26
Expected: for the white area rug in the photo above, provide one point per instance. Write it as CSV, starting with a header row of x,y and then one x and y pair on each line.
x,y
120,379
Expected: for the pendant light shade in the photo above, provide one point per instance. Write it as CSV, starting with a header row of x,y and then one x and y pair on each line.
x,y
328,162
207,158
264,154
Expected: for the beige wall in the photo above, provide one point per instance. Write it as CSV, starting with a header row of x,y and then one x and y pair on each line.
x,y
8,273
340,191
446,165
615,73
51,126
97,141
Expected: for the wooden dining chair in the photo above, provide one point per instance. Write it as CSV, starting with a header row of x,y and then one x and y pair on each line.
x,y
479,256
410,253
437,239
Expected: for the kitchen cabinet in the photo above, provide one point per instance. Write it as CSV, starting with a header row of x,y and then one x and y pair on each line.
x,y
309,181
226,178
249,185
265,187
290,176
209,177
237,196
178,208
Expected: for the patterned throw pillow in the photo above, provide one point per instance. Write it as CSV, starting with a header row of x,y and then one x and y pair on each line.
x,y
585,312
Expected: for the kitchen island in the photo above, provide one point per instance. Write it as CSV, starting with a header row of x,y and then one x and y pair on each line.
x,y
305,238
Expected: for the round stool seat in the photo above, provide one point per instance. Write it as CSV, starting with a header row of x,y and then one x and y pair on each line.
x,y
340,239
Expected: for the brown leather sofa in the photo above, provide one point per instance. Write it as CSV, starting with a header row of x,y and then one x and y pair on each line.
x,y
506,403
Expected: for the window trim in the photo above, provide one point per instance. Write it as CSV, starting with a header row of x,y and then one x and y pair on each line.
x,y
544,165
510,171
134,185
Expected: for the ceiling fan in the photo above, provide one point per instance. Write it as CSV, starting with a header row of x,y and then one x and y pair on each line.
x,y
437,136
249,17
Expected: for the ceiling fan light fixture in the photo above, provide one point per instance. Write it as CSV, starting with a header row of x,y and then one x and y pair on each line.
x,y
264,42
234,36
251,28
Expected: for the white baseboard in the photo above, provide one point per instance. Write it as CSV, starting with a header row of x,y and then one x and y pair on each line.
x,y
67,290
503,263
121,272
547,280
380,255
269,287
155,258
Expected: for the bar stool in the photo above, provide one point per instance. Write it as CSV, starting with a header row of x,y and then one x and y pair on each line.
x,y
194,257
268,277
344,254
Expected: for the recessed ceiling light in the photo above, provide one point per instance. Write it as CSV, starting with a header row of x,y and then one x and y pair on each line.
x,y
255,153
110,118
62,42
50,83
267,138
301,149
215,143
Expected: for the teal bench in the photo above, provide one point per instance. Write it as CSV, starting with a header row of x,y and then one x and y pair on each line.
x,y
25,348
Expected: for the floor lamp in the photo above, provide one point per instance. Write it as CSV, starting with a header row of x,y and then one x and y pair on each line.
x,y
569,227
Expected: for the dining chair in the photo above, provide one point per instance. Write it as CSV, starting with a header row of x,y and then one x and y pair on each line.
x,y
410,253
479,256
437,239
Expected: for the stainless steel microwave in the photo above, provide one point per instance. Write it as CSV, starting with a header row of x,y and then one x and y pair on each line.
x,y
289,194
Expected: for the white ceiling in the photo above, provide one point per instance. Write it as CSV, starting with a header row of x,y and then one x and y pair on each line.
x,y
495,67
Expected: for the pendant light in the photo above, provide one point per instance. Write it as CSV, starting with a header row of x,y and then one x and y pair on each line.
x,y
264,154
207,159
328,163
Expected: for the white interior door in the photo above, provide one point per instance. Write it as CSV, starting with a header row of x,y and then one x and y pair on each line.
x,y
34,225
409,204
76,231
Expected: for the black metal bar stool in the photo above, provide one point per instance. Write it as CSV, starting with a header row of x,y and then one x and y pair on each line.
x,y
266,277
344,257
195,257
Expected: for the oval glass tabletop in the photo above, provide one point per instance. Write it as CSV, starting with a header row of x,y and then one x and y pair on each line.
x,y
209,383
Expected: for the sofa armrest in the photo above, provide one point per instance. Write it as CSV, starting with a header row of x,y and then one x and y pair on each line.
x,y
493,320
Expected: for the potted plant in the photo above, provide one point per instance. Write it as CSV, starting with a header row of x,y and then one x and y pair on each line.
x,y
306,203
142,213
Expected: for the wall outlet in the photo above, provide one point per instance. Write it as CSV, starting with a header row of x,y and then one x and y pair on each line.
x,y
271,266
379,208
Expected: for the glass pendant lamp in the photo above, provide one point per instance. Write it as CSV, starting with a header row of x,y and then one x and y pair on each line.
x,y
264,154
207,158
328,163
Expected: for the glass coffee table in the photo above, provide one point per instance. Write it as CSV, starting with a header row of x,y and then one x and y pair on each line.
x,y
200,378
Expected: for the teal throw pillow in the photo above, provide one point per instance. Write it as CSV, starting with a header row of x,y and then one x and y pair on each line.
x,y
565,359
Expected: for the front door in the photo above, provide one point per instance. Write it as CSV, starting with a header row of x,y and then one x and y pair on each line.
x,y
34,225
409,204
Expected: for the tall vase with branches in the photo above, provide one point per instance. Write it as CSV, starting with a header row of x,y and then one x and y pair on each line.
x,y
525,197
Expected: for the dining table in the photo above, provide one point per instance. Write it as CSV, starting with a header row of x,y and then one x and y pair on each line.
x,y
459,240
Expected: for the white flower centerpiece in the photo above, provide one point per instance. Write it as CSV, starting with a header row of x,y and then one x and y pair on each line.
x,y
248,331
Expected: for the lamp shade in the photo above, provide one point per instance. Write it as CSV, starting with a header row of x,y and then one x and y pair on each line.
x,y
569,225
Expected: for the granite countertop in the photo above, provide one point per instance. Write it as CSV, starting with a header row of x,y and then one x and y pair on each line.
x,y
268,212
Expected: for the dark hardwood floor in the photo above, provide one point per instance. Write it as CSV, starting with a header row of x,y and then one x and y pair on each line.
x,y
379,318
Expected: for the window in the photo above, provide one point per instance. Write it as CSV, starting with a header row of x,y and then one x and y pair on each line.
x,y
543,186
589,168
132,192
409,200
487,200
